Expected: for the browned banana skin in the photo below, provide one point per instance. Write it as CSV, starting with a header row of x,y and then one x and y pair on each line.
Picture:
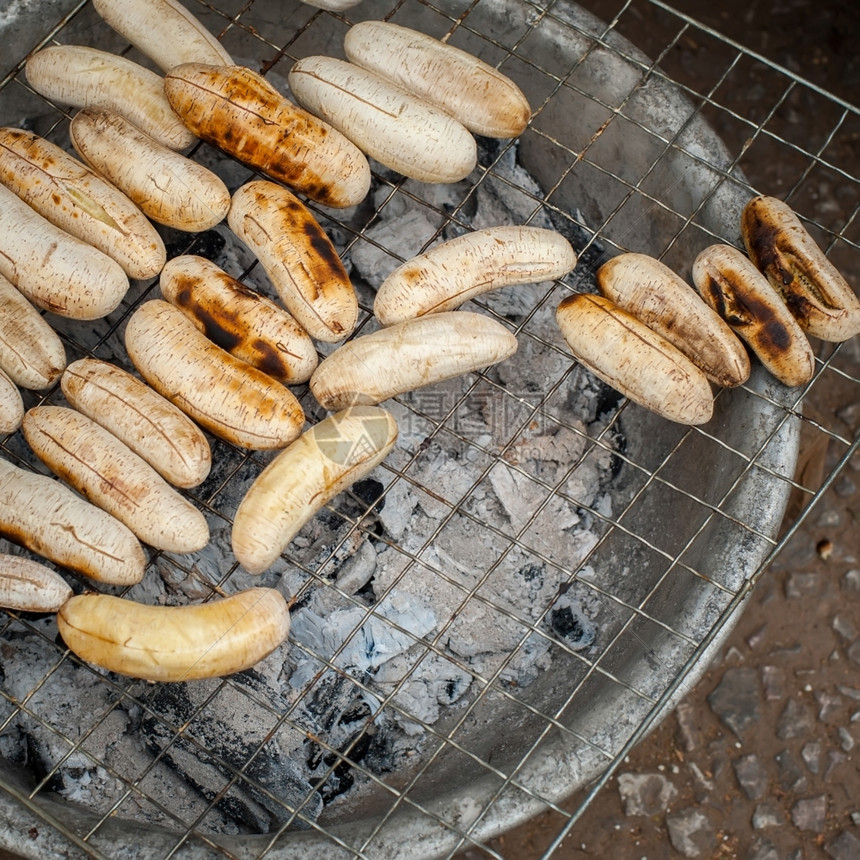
x,y
242,114
743,297
816,294
298,257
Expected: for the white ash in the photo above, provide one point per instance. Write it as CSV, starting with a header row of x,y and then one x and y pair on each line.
x,y
460,574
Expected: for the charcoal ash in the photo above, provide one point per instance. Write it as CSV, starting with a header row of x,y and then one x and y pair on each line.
x,y
218,741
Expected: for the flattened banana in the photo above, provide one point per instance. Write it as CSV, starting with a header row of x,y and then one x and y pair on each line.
x,y
164,30
224,395
816,294
175,643
54,270
622,351
242,114
108,473
742,296
76,199
298,257
450,274
45,516
170,188
409,355
86,77
654,294
239,320
393,126
11,405
29,586
473,92
321,463
148,423
31,352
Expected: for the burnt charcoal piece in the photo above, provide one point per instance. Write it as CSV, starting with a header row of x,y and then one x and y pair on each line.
x,y
228,730
569,622
369,491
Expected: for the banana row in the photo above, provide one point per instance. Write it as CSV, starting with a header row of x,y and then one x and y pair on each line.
x,y
659,342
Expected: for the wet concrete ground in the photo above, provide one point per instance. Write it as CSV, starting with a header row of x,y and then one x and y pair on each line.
x,y
761,760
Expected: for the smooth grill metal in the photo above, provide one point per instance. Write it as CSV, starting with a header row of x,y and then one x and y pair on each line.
x,y
648,207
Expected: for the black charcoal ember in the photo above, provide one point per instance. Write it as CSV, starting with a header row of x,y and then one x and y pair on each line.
x,y
569,622
228,728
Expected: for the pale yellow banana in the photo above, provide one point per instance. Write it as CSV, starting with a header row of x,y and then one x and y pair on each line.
x,y
54,270
168,187
29,586
164,30
321,463
31,352
175,643
460,269
382,119
80,76
76,199
106,471
472,91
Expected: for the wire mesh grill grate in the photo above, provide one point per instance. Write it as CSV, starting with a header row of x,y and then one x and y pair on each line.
x,y
523,751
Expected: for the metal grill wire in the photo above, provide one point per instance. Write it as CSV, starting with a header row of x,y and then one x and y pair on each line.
x,y
741,132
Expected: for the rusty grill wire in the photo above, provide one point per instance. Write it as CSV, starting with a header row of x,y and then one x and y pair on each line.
x,y
742,129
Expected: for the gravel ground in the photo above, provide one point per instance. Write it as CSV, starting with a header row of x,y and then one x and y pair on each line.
x,y
760,761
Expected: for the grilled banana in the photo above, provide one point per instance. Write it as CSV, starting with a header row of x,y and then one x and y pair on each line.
x,y
450,274
622,351
409,355
108,473
321,463
816,294
148,423
239,320
45,516
473,92
224,395
654,294
298,257
393,126
86,77
175,643
241,113
742,296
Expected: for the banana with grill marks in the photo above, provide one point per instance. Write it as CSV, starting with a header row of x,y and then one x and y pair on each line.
x,y
635,360
816,293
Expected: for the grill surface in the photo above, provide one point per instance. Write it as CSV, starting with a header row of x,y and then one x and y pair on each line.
x,y
626,159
